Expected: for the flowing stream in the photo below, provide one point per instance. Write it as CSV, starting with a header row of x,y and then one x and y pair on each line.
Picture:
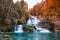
x,y
34,22
18,29
38,34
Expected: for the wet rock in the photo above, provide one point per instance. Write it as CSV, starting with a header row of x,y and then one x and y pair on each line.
x,y
5,37
28,28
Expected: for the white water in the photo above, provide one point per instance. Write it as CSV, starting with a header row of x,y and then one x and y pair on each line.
x,y
33,21
18,29
42,30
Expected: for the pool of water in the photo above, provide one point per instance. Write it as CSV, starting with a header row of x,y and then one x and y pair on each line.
x,y
33,36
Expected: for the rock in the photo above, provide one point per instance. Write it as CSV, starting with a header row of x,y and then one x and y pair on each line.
x,y
6,37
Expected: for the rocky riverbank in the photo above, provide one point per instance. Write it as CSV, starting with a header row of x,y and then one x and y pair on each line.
x,y
5,37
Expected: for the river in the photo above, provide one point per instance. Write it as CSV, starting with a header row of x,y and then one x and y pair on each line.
x,y
33,36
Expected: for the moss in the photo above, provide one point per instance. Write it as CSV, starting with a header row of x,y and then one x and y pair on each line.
x,y
6,37
27,28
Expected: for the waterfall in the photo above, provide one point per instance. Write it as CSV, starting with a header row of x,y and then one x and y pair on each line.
x,y
42,30
34,22
18,29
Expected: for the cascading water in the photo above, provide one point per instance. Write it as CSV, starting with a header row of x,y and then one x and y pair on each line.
x,y
18,29
34,22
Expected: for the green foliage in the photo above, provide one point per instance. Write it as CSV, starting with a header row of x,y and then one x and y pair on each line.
x,y
4,8
8,13
0,1
27,28
20,13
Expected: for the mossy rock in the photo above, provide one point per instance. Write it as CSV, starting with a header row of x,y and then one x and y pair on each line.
x,y
27,28
5,37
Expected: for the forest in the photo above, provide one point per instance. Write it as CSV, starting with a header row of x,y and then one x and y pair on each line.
x,y
10,12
